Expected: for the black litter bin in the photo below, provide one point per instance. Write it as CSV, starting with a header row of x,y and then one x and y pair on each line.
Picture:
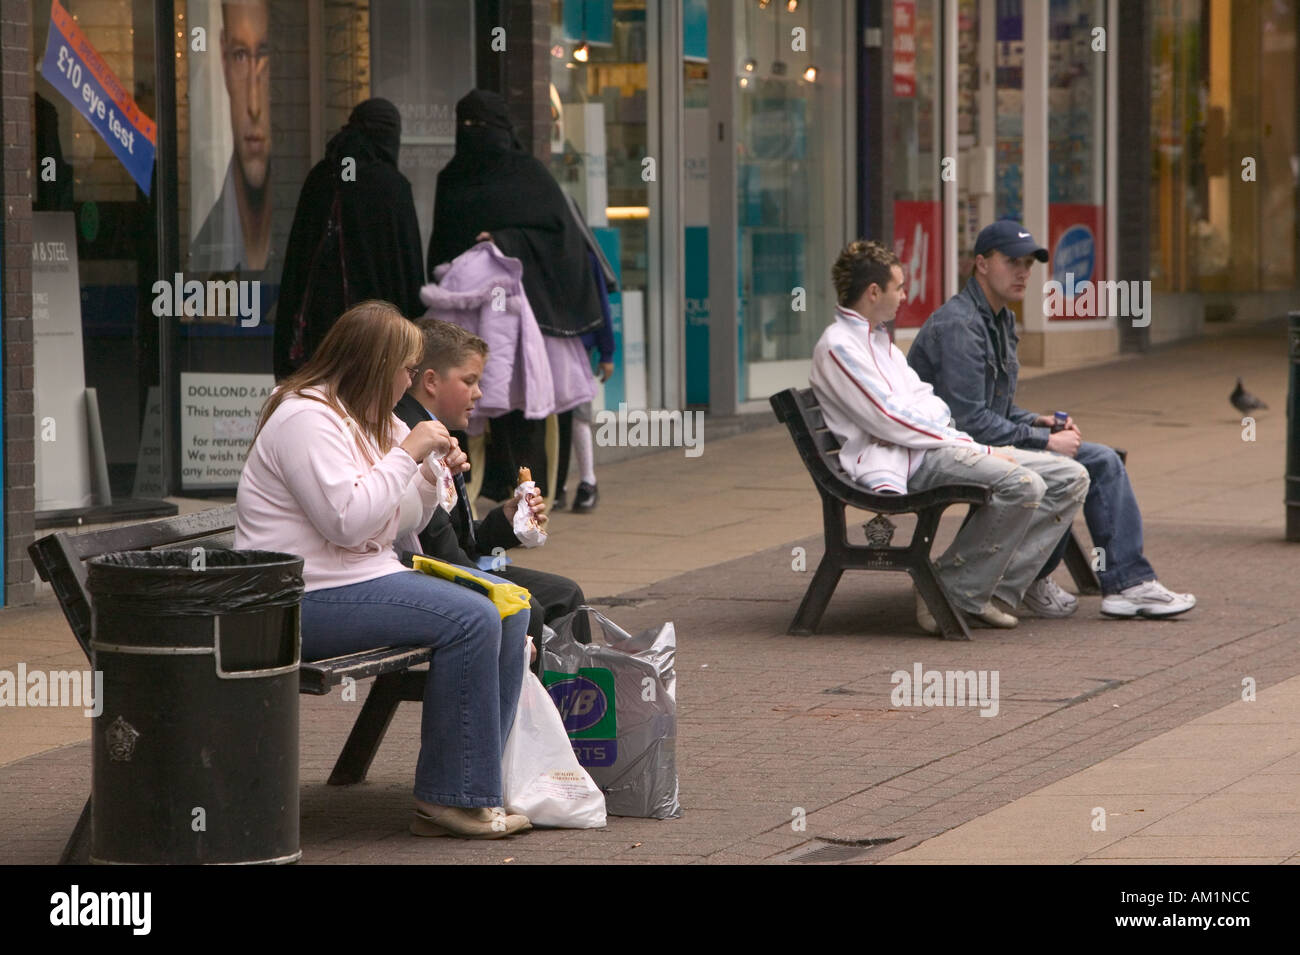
x,y
195,752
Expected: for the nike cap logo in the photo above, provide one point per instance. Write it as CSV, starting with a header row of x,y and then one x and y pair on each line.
x,y
1024,235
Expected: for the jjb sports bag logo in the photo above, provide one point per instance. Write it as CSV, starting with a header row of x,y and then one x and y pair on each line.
x,y
581,703
586,704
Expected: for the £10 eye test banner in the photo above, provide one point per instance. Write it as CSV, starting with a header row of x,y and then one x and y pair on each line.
x,y
74,68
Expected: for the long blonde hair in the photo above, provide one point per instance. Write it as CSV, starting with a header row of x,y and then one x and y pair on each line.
x,y
354,367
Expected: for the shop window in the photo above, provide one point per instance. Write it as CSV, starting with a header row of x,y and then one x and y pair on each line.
x,y
1076,129
600,155
790,202
95,252
917,154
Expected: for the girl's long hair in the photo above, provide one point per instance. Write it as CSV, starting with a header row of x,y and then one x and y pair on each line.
x,y
354,368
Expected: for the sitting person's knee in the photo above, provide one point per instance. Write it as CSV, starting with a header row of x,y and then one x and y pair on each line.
x,y
1102,460
1079,481
1020,485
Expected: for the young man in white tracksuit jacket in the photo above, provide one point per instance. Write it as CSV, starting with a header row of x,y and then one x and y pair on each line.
x,y
897,436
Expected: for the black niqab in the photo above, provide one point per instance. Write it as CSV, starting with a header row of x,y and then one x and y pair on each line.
x,y
380,233
493,184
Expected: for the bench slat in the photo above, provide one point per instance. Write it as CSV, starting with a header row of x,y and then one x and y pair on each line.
x,y
320,676
167,531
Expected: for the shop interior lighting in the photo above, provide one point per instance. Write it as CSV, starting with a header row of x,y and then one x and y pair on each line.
x,y
810,73
744,82
627,212
582,52
751,65
792,5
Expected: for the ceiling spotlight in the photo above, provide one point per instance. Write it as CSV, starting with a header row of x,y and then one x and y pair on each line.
x,y
582,52
810,74
557,51
792,5
764,4
751,65
744,82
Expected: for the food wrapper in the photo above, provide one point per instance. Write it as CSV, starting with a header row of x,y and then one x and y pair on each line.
x,y
439,475
526,528
446,486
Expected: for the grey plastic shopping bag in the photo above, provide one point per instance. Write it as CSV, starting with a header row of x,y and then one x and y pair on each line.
x,y
618,698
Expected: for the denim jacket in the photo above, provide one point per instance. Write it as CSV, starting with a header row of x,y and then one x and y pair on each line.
x,y
957,351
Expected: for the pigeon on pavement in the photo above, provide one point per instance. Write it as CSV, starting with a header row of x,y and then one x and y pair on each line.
x,y
1243,400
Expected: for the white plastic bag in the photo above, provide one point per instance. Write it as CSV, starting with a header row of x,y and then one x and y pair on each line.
x,y
540,775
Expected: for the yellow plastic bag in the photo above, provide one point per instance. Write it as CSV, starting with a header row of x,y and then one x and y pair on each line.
x,y
509,598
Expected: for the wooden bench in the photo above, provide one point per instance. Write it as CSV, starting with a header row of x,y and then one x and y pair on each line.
x,y
60,560
819,449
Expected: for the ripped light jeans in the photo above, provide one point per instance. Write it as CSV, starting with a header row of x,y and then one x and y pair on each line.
x,y
1003,546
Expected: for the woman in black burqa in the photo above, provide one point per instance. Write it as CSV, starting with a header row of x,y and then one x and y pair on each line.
x,y
493,185
374,244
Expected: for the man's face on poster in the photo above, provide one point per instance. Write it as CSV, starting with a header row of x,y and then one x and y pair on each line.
x,y
245,53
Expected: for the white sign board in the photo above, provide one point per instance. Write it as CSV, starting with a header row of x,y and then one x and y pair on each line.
x,y
218,419
62,442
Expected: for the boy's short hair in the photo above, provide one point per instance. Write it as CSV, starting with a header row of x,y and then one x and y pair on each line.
x,y
447,346
862,264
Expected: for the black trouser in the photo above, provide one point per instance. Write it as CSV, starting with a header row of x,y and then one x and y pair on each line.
x,y
565,419
553,596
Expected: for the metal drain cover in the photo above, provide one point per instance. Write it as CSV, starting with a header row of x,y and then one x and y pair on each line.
x,y
825,850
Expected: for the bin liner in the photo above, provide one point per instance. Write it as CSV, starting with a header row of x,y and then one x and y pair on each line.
x,y
180,582
617,695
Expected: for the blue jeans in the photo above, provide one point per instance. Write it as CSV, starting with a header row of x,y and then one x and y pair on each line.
x,y
472,690
1114,521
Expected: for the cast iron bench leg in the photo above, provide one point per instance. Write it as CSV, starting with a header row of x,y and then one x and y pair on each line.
x,y
948,617
77,851
368,731
951,623
817,596
1080,567
835,532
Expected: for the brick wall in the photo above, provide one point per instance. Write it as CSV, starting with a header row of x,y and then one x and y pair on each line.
x,y
16,183
528,72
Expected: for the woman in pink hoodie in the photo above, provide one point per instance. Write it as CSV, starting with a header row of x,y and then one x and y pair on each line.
x,y
333,476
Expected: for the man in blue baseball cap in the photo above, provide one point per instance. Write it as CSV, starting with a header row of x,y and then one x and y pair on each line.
x,y
967,351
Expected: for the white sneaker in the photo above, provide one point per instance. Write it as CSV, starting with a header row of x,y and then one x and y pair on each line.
x,y
1046,599
1149,599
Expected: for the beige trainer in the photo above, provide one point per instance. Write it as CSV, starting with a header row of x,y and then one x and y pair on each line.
x,y
924,619
993,617
462,823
